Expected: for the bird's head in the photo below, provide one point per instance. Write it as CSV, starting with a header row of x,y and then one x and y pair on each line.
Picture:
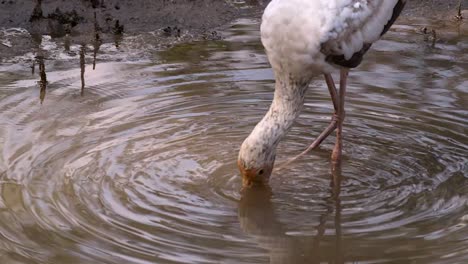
x,y
255,163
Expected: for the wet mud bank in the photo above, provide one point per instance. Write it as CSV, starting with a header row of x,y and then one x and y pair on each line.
x,y
56,17
24,23
434,8
88,21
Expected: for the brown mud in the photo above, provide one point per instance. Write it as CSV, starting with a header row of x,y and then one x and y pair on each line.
x,y
98,21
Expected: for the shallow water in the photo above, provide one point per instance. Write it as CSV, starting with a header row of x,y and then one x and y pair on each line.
x,y
139,166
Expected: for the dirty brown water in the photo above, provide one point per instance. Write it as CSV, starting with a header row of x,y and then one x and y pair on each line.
x,y
139,165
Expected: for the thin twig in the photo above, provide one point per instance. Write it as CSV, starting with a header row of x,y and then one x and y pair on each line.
x,y
459,14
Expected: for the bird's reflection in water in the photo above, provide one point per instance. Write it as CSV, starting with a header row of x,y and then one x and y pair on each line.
x,y
258,219
336,189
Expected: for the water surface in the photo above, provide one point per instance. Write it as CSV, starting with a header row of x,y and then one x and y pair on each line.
x,y
137,164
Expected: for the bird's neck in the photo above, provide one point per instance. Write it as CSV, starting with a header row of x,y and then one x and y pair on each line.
x,y
285,108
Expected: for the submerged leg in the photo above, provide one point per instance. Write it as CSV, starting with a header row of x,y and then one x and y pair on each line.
x,y
330,128
336,154
333,203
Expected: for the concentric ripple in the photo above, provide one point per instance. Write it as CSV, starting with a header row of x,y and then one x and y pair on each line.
x,y
141,168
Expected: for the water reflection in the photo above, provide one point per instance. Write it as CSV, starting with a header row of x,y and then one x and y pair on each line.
x,y
82,68
259,220
66,42
43,78
33,66
335,187
142,168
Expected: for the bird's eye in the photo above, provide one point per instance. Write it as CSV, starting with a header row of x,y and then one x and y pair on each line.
x,y
260,172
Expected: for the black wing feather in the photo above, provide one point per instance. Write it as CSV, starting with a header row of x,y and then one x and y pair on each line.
x,y
357,57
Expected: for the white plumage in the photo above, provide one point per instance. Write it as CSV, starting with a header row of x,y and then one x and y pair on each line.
x,y
303,39
300,33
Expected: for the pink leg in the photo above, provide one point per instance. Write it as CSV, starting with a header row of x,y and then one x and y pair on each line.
x,y
336,154
333,124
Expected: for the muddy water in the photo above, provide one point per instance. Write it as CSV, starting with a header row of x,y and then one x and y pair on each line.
x,y
134,161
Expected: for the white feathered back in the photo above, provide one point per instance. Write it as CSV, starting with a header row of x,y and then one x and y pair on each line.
x,y
298,34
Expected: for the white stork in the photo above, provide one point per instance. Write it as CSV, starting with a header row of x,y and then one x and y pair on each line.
x,y
303,39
